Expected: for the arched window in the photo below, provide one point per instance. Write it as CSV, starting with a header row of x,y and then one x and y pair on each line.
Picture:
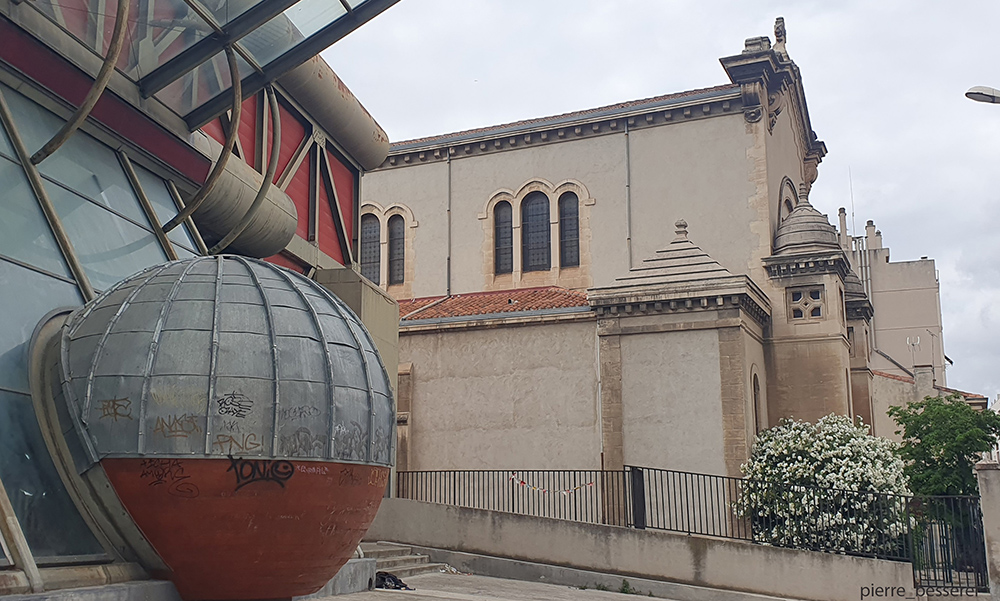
x,y
371,250
535,236
396,249
503,251
569,230
756,403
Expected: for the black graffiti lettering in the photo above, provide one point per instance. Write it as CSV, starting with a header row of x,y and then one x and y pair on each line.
x,y
249,471
116,408
171,473
235,403
298,412
302,443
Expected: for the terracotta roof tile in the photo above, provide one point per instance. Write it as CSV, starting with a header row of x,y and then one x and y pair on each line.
x,y
908,380
967,395
883,374
499,301
621,106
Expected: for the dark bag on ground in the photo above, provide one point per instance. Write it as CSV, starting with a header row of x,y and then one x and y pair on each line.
x,y
391,581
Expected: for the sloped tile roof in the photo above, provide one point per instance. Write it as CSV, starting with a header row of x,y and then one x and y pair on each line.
x,y
945,389
565,117
485,303
883,374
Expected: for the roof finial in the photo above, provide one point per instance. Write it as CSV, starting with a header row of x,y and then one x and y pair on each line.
x,y
682,230
779,37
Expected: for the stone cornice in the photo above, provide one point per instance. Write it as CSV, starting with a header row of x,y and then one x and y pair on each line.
x,y
585,126
710,295
859,310
771,82
783,266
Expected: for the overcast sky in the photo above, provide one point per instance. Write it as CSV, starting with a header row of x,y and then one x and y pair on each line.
x,y
884,81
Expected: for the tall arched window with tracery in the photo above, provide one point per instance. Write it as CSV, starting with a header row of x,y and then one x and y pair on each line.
x,y
536,246
569,230
397,248
503,251
371,247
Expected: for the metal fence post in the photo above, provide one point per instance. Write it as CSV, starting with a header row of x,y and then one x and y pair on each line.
x,y
638,488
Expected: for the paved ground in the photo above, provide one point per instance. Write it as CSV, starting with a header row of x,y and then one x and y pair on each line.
x,y
480,588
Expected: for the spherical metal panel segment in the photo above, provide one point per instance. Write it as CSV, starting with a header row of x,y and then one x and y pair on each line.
x,y
217,356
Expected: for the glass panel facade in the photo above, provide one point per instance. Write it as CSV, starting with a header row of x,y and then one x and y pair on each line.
x,y
503,252
535,235
82,163
158,29
21,312
371,248
5,147
24,232
164,207
48,517
287,30
109,247
201,84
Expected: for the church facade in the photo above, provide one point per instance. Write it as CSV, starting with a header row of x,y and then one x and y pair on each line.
x,y
645,283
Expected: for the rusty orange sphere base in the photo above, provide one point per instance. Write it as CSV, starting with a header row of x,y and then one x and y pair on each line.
x,y
242,528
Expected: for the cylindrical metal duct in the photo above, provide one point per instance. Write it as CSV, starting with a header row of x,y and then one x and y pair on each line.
x,y
273,224
327,99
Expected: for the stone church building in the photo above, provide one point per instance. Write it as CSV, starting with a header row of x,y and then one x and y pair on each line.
x,y
645,283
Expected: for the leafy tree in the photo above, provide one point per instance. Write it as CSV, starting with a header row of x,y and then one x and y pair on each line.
x,y
826,485
943,438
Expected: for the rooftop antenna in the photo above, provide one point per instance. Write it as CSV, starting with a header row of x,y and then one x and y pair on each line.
x,y
850,185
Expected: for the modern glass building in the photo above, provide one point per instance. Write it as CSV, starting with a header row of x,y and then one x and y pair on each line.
x,y
124,145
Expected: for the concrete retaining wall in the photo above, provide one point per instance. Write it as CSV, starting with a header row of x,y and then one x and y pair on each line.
x,y
700,561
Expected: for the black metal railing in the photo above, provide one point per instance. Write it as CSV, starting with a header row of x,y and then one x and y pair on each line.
x,y
941,536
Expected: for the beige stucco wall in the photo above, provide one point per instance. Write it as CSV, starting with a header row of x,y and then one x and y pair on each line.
x,y
520,397
698,171
676,557
907,302
887,392
424,190
710,171
671,404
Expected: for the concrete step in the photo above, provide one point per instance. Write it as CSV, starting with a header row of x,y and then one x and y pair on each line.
x,y
378,550
389,564
422,568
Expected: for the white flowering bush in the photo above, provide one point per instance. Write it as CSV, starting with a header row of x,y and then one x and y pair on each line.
x,y
827,486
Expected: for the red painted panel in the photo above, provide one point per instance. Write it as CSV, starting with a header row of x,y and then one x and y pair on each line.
x,y
288,262
298,191
326,230
22,52
343,180
248,130
241,528
293,132
214,129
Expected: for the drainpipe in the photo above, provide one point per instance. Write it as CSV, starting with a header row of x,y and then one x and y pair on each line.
x,y
448,274
628,196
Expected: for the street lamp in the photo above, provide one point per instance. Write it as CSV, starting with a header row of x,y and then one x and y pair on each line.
x,y
983,94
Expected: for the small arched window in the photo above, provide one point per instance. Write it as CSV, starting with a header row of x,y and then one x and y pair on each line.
x,y
535,233
371,247
569,230
503,250
397,247
756,404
